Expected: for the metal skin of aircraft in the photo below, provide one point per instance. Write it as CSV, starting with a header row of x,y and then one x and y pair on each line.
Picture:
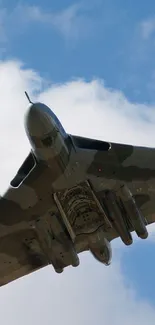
x,y
72,194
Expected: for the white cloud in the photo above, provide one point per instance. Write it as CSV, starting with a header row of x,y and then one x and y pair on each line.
x,y
107,114
12,111
92,293
151,230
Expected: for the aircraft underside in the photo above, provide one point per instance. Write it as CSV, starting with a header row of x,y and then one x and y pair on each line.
x,y
72,194
84,222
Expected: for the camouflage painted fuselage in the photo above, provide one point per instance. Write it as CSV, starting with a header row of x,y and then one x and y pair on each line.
x,y
72,194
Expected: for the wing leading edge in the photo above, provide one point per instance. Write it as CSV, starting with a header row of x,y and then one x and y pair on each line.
x,y
19,207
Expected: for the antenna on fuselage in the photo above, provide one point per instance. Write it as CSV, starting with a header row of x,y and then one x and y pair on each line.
x,y
28,97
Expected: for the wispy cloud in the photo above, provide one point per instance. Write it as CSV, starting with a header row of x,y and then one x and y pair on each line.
x,y
72,22
66,21
148,28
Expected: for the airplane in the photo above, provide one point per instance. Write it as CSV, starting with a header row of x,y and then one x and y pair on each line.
x,y
72,194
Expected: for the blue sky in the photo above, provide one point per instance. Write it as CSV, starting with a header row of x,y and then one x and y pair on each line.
x,y
88,58
139,268
103,39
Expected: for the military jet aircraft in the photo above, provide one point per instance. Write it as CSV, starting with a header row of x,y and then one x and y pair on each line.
x,y
72,194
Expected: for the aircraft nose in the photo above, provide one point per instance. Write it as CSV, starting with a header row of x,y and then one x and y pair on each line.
x,y
37,122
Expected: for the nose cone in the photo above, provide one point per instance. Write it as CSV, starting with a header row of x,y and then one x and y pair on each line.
x,y
37,122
